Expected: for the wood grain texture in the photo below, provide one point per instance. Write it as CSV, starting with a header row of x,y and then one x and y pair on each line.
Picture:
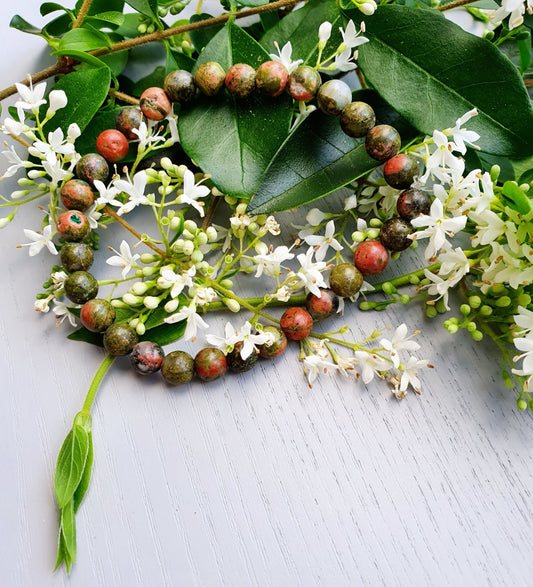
x,y
257,480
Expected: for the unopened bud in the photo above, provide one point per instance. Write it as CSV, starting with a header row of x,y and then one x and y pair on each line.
x,y
140,328
172,306
139,288
211,233
151,302
130,299
232,305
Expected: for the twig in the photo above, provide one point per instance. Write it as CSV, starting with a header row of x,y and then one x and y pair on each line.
x,y
60,67
124,97
20,140
82,13
528,82
455,4
210,211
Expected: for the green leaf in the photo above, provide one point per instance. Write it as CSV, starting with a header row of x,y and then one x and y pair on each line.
x,y
81,490
68,530
81,56
99,6
48,7
252,2
62,551
524,50
155,78
59,26
234,140
83,40
71,464
319,158
200,38
301,28
432,72
515,198
106,19
86,91
84,335
166,333
176,60
146,7
17,22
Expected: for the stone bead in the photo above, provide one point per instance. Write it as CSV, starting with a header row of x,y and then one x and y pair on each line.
x,y
112,145
277,346
400,171
239,365
180,86
119,339
80,287
76,257
147,357
304,83
209,78
91,167
240,80
296,323
394,234
370,257
382,142
128,119
411,203
357,119
345,280
272,78
323,306
97,315
77,194
177,367
155,104
210,364
333,97
73,226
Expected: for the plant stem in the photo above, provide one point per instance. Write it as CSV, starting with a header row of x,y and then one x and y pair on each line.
x,y
455,4
110,212
99,375
20,140
124,97
293,301
210,212
64,65
82,13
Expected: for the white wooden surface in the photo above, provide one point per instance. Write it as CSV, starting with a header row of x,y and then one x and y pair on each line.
x,y
255,479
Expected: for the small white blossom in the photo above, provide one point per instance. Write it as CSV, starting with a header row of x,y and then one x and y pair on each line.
x,y
272,226
324,32
93,216
442,160
270,263
282,294
524,319
31,96
345,61
146,135
73,132
350,36
15,127
321,244
54,169
194,321
310,275
106,194
61,310
43,305
192,191
224,343
205,295
134,189
57,99
313,364
514,9
123,259
400,341
56,144
462,137
249,340
178,281
284,57
409,372
369,365
16,162
39,241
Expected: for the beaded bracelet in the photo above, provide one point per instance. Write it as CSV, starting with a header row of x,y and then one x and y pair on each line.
x,y
357,120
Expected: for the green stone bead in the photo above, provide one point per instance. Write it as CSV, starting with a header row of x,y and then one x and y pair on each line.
x,y
272,78
236,363
76,257
209,78
333,97
97,315
357,119
240,80
180,86
119,339
345,280
80,287
304,83
177,367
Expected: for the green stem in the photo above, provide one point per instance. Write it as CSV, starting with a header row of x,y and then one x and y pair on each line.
x,y
456,4
99,375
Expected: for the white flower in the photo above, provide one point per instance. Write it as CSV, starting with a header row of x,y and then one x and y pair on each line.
x,y
61,310
173,127
178,281
324,33
282,294
56,144
57,99
192,191
146,134
58,278
270,263
205,295
43,305
93,216
368,7
53,168
439,287
310,273
409,373
489,227
123,259
524,319
322,243
369,365
514,9
438,228
525,344
73,132
14,127
399,341
31,97
313,364
16,162
350,203
272,226
344,62
315,217
224,343
249,340
442,158
350,37
454,264
461,136
284,57
39,241
194,321
106,194
134,189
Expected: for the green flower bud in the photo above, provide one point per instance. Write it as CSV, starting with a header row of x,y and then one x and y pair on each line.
x,y
364,306
130,299
188,234
495,170
171,306
151,302
388,288
261,248
148,258
118,304
373,233
175,223
197,256
485,310
230,200
524,300
190,225
211,233
201,238
503,302
227,283
521,404
453,328
414,280
375,223
405,299
474,301
440,306
471,326
139,288
188,248
358,237
431,311
241,209
465,309
477,335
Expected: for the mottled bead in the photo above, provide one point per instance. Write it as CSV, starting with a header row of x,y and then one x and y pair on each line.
x,y
80,287
345,280
97,315
180,86
394,234
76,257
272,78
128,120
277,346
155,104
400,171
322,306
370,257
296,323
112,145
119,339
240,80
177,367
304,83
357,119
382,142
411,203
209,78
91,167
237,364
146,357
77,194
210,364
73,226
333,97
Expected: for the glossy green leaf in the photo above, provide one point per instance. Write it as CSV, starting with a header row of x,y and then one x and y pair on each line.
x,y
200,37
86,90
68,530
81,56
70,464
301,28
106,19
176,60
49,7
83,40
437,72
17,22
515,198
318,158
234,140
81,490
98,6
166,333
59,26
146,7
